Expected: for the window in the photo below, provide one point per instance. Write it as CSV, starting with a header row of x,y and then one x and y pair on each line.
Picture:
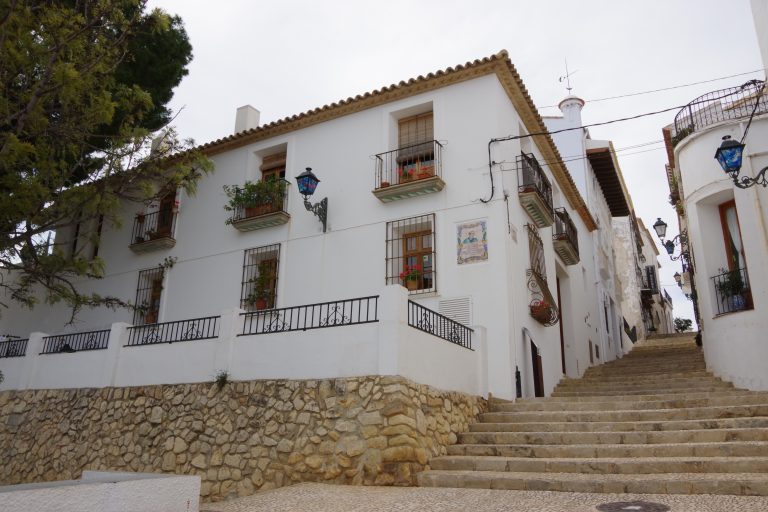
x,y
273,167
415,130
416,152
258,289
148,294
734,249
97,239
410,257
165,214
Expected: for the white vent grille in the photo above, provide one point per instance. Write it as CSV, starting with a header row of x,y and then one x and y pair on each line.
x,y
458,309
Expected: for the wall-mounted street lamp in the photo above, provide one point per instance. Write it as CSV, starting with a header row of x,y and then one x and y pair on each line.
x,y
307,182
678,279
729,155
661,230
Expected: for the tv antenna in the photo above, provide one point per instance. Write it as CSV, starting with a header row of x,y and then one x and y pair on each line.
x,y
567,77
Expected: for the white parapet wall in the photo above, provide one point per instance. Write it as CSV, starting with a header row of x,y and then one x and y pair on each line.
x,y
106,491
387,345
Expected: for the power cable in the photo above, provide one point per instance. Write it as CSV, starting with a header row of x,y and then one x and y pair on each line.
x,y
629,95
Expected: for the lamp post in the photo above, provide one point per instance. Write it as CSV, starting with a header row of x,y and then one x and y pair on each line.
x,y
729,156
307,182
682,239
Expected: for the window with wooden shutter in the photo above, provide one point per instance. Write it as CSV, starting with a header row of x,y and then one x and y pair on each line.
x,y
415,130
258,289
411,253
273,166
148,294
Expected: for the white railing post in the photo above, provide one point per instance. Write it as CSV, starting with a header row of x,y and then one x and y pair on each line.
x,y
231,325
480,346
393,320
34,347
118,337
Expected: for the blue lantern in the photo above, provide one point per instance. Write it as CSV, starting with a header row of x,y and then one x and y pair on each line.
x,y
669,245
307,182
729,155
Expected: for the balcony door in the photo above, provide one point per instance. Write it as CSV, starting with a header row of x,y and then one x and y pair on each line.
x,y
165,213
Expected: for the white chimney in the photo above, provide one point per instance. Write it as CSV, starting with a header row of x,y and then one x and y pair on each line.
x,y
571,108
247,117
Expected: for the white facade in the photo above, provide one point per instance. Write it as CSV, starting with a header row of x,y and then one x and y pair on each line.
x,y
470,106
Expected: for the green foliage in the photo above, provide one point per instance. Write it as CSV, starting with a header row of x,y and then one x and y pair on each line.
x,y
683,324
82,87
221,378
730,283
261,283
253,194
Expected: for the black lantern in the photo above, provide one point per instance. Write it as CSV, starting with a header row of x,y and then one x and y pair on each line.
x,y
729,155
669,245
660,227
307,182
678,279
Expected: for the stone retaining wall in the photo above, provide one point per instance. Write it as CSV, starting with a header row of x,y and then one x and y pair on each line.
x,y
240,438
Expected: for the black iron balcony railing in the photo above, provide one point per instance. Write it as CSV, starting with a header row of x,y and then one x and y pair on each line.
x,y
336,313
667,298
13,346
718,106
75,342
153,226
732,291
170,332
531,178
409,164
649,280
565,229
275,200
432,322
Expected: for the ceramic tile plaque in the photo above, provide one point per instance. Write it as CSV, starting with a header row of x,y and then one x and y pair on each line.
x,y
471,242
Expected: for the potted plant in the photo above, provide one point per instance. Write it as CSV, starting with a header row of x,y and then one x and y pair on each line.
x,y
411,276
255,198
426,169
406,173
261,291
541,311
731,288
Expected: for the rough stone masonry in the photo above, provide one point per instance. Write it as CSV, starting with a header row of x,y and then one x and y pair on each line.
x,y
239,438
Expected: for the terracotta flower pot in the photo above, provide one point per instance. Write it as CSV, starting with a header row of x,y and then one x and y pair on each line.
x,y
412,285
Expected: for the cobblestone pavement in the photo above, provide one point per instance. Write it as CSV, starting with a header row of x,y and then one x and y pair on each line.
x,y
327,498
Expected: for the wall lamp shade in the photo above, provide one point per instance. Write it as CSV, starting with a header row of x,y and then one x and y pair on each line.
x,y
669,245
307,182
729,155
660,227
678,278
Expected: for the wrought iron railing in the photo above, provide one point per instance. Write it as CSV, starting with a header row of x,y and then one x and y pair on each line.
x,y
649,279
152,226
75,342
432,322
718,106
13,346
530,178
542,306
276,200
667,298
732,291
171,332
408,164
565,229
536,251
336,313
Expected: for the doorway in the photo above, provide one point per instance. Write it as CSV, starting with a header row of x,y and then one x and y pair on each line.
x,y
538,373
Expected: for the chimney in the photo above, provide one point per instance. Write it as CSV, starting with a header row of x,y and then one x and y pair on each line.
x,y
571,108
247,117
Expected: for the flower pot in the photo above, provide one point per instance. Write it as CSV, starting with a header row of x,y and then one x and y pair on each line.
x,y
412,285
541,313
736,302
384,184
138,240
261,303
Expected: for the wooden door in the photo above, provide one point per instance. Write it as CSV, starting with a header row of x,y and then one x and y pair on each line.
x,y
538,373
562,337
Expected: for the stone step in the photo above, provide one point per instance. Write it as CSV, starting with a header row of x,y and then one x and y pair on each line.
x,y
741,484
679,403
682,449
622,427
753,434
623,377
734,393
601,466
730,411
625,392
648,385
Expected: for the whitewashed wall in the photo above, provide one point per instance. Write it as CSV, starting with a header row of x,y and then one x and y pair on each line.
x,y
349,260
734,343
387,347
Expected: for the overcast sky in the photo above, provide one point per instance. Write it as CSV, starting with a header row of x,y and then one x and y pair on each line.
x,y
285,57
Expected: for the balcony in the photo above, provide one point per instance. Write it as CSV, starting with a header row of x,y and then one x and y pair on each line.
x,y
718,106
565,238
153,231
267,210
534,190
410,171
732,291
649,283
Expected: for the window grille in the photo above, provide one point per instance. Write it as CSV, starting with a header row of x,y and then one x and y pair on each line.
x,y
258,289
148,293
410,253
536,251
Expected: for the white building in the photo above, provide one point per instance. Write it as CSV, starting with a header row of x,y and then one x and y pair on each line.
x,y
725,228
414,174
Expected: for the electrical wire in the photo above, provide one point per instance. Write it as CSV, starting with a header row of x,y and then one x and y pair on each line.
x,y
629,95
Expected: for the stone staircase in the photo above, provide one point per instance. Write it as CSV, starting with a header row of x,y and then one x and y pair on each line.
x,y
652,422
